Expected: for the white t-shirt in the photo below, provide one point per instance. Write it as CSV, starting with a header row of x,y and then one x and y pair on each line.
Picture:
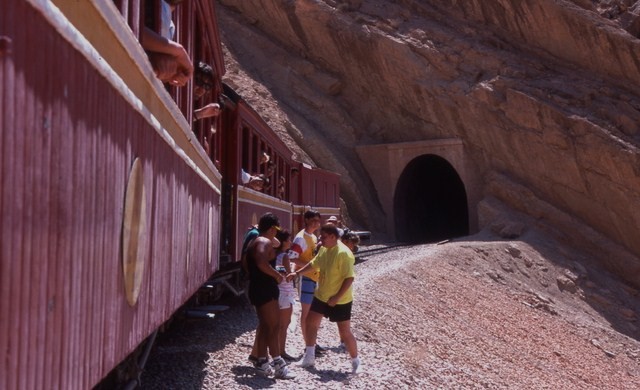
x,y
285,287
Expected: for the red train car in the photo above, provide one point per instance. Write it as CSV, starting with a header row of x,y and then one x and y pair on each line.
x,y
316,188
250,142
115,205
109,206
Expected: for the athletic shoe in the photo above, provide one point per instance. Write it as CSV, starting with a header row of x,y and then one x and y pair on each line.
x,y
252,359
321,349
288,358
264,368
308,360
281,370
356,366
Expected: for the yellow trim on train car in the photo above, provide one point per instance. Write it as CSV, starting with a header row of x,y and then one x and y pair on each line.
x,y
328,211
105,29
247,195
297,209
324,211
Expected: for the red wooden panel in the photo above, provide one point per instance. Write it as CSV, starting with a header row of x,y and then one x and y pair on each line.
x,y
67,146
251,206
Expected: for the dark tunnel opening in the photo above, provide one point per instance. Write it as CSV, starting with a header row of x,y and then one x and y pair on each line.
x,y
430,202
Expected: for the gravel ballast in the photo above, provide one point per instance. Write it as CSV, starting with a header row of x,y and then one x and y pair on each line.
x,y
469,314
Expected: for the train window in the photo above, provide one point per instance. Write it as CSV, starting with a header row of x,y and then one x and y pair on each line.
x,y
255,143
314,191
246,148
130,10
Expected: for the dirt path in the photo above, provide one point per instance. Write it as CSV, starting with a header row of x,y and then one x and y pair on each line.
x,y
466,314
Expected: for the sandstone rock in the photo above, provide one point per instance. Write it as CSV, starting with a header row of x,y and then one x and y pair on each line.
x,y
566,284
496,276
528,262
628,314
599,299
571,275
513,251
543,93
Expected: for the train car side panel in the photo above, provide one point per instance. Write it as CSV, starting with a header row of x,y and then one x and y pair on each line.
x,y
252,205
82,287
318,189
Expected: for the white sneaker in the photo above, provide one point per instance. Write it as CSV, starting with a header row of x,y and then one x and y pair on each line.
x,y
356,366
264,368
308,360
281,370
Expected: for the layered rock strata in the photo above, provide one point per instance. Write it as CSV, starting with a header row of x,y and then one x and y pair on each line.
x,y
544,94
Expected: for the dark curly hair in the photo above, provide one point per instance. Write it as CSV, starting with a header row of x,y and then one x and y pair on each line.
x,y
203,75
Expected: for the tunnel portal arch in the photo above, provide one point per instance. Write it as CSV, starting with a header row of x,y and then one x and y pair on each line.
x,y
430,202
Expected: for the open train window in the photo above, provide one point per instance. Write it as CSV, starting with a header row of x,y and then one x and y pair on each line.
x,y
132,12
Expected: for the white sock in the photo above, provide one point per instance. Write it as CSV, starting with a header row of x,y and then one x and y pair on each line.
x,y
310,351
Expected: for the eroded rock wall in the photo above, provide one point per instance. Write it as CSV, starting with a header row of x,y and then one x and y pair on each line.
x,y
545,94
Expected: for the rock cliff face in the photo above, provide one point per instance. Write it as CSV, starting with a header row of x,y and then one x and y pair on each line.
x,y
544,94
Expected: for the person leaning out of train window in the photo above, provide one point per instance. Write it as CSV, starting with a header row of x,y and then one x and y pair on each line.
x,y
264,158
255,182
169,59
281,187
270,169
203,79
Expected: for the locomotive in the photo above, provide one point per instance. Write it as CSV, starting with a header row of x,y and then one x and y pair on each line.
x,y
117,206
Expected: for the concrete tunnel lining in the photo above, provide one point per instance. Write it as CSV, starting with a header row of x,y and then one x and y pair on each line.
x,y
386,163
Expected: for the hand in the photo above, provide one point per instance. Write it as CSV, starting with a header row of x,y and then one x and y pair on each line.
x,y
180,79
168,70
185,65
332,301
211,109
291,276
164,66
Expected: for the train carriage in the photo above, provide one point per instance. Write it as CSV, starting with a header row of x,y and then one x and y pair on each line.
x,y
116,205
110,207
250,141
317,188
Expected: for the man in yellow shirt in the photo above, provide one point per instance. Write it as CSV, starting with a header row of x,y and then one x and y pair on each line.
x,y
333,297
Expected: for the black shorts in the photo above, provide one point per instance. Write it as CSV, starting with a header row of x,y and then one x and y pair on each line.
x,y
259,295
338,313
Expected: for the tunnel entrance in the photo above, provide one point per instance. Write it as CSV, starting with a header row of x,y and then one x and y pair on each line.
x,y
430,202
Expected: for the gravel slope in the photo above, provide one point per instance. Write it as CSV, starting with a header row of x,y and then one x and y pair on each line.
x,y
478,313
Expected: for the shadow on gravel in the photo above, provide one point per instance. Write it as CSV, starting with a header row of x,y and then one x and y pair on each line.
x,y
245,375
327,376
178,358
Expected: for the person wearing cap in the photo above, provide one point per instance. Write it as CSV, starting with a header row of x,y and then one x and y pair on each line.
x,y
333,220
264,294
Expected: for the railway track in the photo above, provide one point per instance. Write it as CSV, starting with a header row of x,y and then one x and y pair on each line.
x,y
362,254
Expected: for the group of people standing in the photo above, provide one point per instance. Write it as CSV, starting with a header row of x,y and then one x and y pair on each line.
x,y
325,270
